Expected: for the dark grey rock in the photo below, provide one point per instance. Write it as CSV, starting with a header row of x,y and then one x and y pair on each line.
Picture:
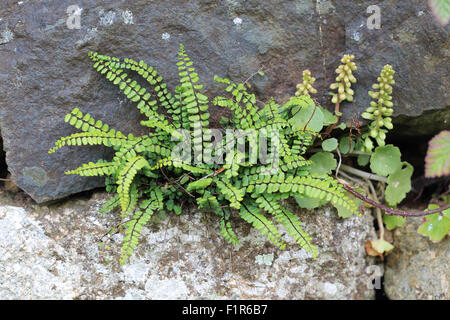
x,y
45,71
416,46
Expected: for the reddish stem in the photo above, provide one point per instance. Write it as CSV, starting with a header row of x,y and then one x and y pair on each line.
x,y
389,211
331,128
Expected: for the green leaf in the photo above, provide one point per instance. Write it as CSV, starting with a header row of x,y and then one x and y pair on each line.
x,y
323,163
378,247
346,145
392,221
399,184
328,117
177,209
199,184
169,205
385,160
330,144
224,121
437,161
342,126
441,10
363,160
307,117
309,203
436,226
343,211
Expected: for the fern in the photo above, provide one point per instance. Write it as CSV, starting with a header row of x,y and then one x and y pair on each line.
x,y
146,176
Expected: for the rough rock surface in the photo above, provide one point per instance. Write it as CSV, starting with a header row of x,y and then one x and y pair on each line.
x,y
417,268
51,252
45,71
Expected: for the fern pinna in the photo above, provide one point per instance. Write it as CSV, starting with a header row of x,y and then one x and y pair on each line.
x,y
147,178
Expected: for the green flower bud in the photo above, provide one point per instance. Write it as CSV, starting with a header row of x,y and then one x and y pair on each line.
x,y
367,116
380,141
373,133
334,99
306,87
368,144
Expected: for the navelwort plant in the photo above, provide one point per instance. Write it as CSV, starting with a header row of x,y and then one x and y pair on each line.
x,y
389,178
147,178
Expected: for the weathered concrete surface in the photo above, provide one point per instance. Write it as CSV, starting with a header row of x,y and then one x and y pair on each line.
x,y
417,268
45,71
51,252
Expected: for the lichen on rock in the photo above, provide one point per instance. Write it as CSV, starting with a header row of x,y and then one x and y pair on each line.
x,y
52,252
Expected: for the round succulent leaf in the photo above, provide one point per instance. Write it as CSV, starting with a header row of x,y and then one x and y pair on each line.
x,y
382,246
378,247
323,163
330,144
310,117
342,126
436,226
363,160
399,184
393,221
328,117
309,203
346,145
385,160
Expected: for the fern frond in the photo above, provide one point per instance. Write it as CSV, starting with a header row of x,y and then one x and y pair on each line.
x,y
126,176
302,140
266,227
142,144
91,138
207,201
323,188
159,87
296,163
232,194
91,169
225,226
129,206
85,122
164,127
133,91
194,102
241,103
271,114
290,221
138,221
110,205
